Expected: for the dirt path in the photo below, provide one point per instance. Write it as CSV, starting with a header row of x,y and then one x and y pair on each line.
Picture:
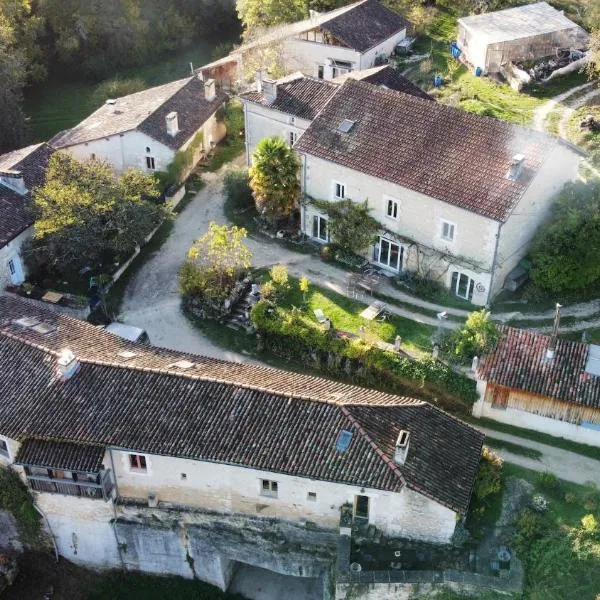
x,y
564,464
571,108
541,114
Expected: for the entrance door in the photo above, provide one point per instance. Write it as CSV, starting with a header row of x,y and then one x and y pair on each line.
x,y
361,507
388,254
15,269
462,285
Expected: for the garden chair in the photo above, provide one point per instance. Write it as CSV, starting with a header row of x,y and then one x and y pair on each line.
x,y
320,315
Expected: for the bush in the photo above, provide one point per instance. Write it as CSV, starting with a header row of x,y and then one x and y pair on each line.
x,y
489,479
477,336
15,498
116,88
238,194
531,526
548,482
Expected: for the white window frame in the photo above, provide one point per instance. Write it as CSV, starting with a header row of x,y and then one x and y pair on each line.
x,y
318,237
150,163
452,226
395,206
7,453
377,250
137,470
311,496
470,290
292,137
334,190
271,490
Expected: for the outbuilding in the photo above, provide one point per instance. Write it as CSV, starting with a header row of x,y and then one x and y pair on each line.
x,y
522,33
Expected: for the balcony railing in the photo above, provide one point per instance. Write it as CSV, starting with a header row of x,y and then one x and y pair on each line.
x,y
69,487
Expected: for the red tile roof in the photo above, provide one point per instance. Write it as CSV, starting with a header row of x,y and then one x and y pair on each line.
x,y
218,411
519,362
440,151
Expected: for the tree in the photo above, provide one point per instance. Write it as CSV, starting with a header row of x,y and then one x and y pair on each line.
x,y
84,216
214,263
256,14
304,285
351,225
477,336
274,178
564,253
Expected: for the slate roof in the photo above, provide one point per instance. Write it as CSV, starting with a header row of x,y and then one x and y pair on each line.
x,y
146,111
224,412
304,97
61,455
15,213
440,151
519,362
366,25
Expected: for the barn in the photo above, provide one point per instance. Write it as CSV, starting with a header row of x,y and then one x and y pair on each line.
x,y
522,33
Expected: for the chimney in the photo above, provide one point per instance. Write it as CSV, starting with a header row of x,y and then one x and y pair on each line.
x,y
209,90
401,447
111,105
552,347
261,75
516,167
14,180
172,124
269,90
68,365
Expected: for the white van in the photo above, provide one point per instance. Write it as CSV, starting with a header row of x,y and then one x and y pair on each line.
x,y
129,332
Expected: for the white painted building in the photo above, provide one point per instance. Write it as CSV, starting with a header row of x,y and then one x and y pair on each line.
x,y
458,196
20,172
190,435
550,385
146,129
326,45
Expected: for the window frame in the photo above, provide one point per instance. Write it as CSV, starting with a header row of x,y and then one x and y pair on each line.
x,y
319,219
334,189
390,243
311,496
394,205
292,137
138,469
451,226
270,490
150,163
455,283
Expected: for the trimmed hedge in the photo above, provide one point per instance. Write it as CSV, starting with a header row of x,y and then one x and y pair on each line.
x,y
294,335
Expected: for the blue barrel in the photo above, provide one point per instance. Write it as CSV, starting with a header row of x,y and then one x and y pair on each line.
x,y
438,81
478,72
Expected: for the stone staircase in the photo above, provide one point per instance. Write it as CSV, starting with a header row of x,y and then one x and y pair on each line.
x,y
239,318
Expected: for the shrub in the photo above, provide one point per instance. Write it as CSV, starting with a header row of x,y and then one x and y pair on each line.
x,y
539,503
238,194
531,526
15,498
117,87
489,479
548,482
477,336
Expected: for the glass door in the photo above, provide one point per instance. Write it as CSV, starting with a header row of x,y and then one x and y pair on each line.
x,y
389,254
462,285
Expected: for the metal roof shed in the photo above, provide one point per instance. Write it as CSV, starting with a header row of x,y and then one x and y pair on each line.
x,y
527,32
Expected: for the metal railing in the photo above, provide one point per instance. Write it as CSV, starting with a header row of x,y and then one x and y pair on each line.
x,y
69,487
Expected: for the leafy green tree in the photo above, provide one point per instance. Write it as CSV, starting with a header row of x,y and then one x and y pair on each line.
x,y
565,251
83,214
274,178
214,263
255,14
304,285
477,336
351,225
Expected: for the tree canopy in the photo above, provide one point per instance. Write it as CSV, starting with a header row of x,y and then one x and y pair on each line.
x,y
477,336
84,216
274,178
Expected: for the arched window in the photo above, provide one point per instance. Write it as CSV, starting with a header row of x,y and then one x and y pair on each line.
x,y
462,285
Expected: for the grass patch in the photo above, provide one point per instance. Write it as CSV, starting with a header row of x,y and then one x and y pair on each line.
x,y
16,499
498,444
592,335
536,436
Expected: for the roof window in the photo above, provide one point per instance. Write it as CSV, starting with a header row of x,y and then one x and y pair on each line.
x,y
183,365
346,126
127,354
343,440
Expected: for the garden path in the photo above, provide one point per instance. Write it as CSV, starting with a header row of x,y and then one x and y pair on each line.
x,y
541,113
571,108
564,464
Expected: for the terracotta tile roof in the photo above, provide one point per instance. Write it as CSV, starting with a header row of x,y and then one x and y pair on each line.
x,y
218,411
15,212
366,25
519,362
304,97
146,111
61,455
437,150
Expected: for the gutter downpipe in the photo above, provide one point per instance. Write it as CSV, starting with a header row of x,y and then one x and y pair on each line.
x,y
39,510
114,527
494,263
303,217
247,143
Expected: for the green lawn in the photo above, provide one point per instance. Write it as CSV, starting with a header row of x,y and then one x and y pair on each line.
x,y
58,105
498,444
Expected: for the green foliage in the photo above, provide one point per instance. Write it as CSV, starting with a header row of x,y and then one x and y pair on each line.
x,y
304,286
274,178
238,194
183,162
15,498
117,87
548,482
259,14
233,144
478,336
489,476
279,275
564,252
84,214
214,263
351,225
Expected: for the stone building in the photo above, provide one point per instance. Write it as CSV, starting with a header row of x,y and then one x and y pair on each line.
x,y
137,455
458,196
146,129
20,172
534,381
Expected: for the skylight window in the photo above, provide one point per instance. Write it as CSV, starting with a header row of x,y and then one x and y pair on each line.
x,y
346,125
183,364
343,440
127,354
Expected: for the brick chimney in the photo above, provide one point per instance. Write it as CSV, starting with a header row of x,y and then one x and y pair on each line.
x,y
172,121
209,90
